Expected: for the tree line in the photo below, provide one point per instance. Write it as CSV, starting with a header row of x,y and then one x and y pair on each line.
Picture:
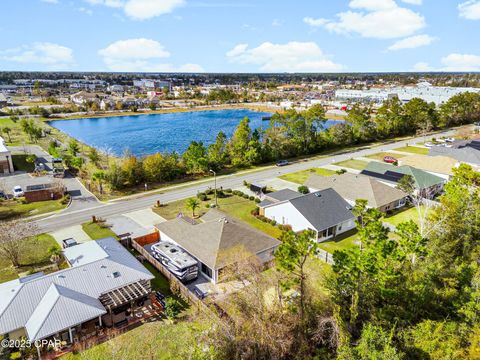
x,y
292,134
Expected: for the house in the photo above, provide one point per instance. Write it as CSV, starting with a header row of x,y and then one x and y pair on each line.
x,y
84,97
3,100
353,187
438,165
425,183
215,240
324,212
465,151
99,289
6,164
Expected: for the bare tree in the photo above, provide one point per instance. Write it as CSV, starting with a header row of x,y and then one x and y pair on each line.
x,y
12,238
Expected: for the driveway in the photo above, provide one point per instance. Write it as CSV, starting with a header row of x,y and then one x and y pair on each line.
x,y
23,180
82,199
75,232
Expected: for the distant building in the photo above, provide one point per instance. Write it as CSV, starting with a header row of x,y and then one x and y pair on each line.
x,y
3,100
152,84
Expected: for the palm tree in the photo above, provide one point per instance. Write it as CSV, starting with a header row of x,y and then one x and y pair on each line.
x,y
192,204
99,176
55,253
7,130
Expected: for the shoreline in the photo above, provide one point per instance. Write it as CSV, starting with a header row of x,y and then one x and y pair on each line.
x,y
168,111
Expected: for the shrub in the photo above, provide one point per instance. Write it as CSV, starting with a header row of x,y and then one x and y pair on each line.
x,y
202,197
251,198
228,191
207,206
245,196
257,200
302,189
273,222
245,183
255,211
172,308
341,171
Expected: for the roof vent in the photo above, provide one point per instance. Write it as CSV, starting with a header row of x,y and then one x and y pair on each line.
x,y
61,276
116,274
318,194
103,266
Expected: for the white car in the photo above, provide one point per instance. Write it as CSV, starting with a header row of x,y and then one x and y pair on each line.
x,y
429,144
450,139
17,192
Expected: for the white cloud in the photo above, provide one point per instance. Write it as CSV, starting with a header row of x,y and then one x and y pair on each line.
x,y
50,1
289,57
380,19
412,42
453,62
53,56
413,2
141,55
141,9
277,22
85,11
470,10
461,62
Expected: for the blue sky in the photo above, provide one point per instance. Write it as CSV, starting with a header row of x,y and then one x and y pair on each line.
x,y
240,35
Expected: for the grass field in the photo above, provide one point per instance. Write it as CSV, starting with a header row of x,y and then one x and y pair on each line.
x,y
353,164
381,155
342,242
300,177
405,215
12,208
234,206
34,258
155,340
95,231
414,150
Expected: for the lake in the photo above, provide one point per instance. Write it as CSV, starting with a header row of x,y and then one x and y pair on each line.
x,y
148,134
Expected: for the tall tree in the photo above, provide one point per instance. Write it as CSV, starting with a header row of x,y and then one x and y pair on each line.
x,y
195,158
12,239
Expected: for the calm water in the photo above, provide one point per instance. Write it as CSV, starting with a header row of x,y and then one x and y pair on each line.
x,y
148,134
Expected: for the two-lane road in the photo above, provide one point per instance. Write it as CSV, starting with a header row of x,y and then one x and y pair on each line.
x,y
70,218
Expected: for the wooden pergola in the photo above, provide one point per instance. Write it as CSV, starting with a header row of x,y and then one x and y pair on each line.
x,y
126,294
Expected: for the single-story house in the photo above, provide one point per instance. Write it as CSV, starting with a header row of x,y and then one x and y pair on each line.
x,y
104,281
438,165
353,187
465,151
425,183
324,212
215,241
6,164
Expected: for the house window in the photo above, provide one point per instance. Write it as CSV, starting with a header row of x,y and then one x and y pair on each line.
x,y
339,227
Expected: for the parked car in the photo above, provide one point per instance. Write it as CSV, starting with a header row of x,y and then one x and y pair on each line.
x,y
450,139
429,144
283,163
3,195
390,160
66,243
17,191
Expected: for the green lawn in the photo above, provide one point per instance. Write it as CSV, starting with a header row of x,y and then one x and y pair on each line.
x,y
13,208
342,242
33,259
96,231
352,164
234,206
414,150
381,155
155,340
300,177
405,215
20,163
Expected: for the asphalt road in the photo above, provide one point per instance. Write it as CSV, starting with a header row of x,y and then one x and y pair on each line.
x,y
70,218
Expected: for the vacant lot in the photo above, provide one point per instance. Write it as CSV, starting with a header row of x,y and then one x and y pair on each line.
x,y
34,258
414,150
300,177
13,208
352,164
381,155
233,205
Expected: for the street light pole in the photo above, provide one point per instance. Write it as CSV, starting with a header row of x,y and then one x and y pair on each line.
x,y
215,180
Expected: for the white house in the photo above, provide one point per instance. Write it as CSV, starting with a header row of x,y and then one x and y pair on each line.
x,y
6,164
324,212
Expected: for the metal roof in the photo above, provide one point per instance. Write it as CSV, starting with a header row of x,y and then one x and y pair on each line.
x,y
92,278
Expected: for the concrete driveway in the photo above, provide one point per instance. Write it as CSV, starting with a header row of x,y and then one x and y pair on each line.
x,y
75,232
23,180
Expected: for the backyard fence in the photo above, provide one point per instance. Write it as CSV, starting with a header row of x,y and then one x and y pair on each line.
x,y
325,256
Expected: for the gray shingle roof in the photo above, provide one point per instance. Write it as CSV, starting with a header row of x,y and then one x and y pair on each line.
x,y
283,195
20,298
323,209
212,241
462,152
353,187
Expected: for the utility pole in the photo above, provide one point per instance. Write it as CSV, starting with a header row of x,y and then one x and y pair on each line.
x,y
215,180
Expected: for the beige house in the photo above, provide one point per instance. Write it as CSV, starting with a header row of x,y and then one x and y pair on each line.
x,y
6,164
352,187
